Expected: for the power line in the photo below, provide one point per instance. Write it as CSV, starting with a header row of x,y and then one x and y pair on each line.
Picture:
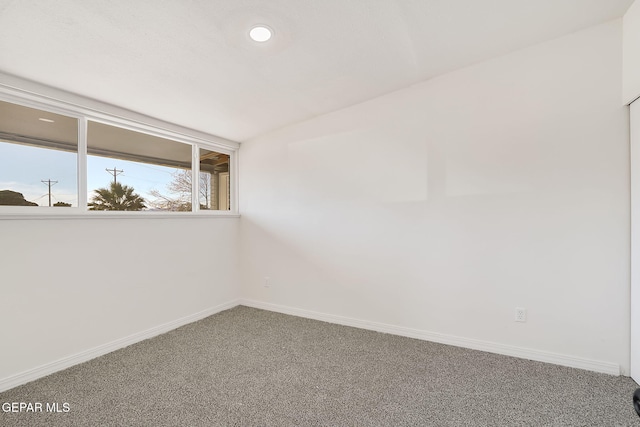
x,y
49,183
115,172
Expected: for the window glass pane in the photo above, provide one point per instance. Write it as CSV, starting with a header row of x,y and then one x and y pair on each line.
x,y
214,181
132,171
38,157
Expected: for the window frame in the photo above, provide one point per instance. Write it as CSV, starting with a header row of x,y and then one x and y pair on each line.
x,y
125,120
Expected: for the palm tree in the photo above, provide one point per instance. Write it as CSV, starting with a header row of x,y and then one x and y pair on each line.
x,y
116,198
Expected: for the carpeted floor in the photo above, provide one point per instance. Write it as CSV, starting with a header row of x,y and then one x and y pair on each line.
x,y
249,367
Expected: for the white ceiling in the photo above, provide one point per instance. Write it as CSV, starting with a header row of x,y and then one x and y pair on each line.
x,y
190,62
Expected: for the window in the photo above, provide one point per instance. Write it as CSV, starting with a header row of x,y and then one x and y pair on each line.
x,y
214,181
92,164
157,171
38,157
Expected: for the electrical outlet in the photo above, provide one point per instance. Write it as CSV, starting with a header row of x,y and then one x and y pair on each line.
x,y
521,314
267,282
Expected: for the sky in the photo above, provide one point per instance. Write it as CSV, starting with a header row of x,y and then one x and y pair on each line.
x,y
23,168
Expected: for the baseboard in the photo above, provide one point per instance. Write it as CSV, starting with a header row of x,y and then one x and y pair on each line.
x,y
67,362
523,353
507,350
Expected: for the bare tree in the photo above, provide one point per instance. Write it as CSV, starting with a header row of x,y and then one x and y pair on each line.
x,y
179,192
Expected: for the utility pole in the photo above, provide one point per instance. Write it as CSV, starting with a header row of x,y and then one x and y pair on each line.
x,y
50,184
115,172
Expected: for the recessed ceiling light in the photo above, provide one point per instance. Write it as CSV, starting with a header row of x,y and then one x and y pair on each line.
x,y
42,119
260,33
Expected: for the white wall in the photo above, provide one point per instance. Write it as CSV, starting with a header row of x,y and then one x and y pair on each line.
x,y
631,49
69,286
440,208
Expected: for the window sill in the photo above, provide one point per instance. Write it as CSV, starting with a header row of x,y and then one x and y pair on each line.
x,y
78,214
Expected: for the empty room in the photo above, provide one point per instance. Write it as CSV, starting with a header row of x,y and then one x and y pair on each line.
x,y
319,213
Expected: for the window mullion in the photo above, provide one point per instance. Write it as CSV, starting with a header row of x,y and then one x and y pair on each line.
x,y
195,178
82,164
233,181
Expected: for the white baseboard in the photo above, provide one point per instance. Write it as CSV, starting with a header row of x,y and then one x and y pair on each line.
x,y
523,353
507,350
74,359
